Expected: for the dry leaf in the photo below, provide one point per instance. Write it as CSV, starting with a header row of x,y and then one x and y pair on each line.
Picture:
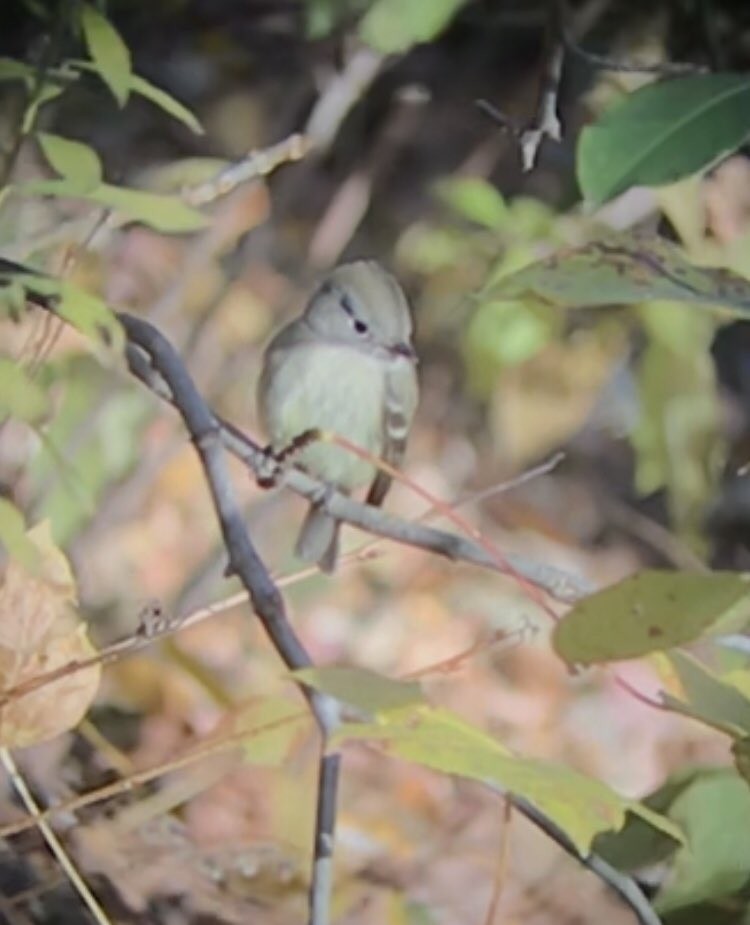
x,y
40,630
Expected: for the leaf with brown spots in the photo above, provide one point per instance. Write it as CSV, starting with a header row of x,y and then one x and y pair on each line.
x,y
623,270
650,612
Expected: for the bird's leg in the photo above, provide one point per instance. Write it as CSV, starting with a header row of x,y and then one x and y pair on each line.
x,y
276,462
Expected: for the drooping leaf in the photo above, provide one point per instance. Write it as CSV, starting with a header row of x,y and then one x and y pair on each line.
x,y
623,270
76,162
581,806
663,132
363,689
393,26
109,53
165,102
159,211
40,630
475,199
650,612
714,812
20,396
707,697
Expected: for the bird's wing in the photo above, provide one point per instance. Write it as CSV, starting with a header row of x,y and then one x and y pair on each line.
x,y
399,404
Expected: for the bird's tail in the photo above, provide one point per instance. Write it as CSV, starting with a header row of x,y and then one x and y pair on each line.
x,y
318,539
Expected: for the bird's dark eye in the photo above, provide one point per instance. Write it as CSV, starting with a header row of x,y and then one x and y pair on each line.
x,y
360,327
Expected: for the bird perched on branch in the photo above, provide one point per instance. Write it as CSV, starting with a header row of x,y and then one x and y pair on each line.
x,y
344,366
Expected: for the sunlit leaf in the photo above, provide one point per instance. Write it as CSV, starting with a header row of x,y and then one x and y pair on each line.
x,y
708,698
166,102
475,199
108,52
160,211
650,612
391,26
14,541
663,132
40,630
361,688
20,396
623,269
581,806
78,163
715,862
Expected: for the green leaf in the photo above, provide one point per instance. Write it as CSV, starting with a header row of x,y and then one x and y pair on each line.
x,y
361,688
10,69
715,862
108,52
20,396
581,806
13,535
154,94
166,102
76,162
678,437
741,753
474,199
708,698
392,26
650,612
86,312
622,270
663,132
160,211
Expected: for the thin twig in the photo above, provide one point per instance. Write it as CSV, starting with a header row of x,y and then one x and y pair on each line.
x,y
53,842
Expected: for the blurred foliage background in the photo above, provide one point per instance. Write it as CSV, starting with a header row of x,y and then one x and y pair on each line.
x,y
650,407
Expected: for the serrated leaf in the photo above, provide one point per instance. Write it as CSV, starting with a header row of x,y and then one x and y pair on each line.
x,y
20,396
392,26
78,163
109,53
650,612
166,102
475,199
623,270
581,806
363,689
663,132
708,698
715,815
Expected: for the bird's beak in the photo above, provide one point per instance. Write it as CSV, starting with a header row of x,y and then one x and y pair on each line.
x,y
404,350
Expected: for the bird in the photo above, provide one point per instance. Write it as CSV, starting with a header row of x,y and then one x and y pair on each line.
x,y
345,365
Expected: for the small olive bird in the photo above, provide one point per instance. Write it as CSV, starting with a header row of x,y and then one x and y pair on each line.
x,y
345,365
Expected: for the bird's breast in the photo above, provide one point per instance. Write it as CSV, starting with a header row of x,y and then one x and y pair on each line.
x,y
335,389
